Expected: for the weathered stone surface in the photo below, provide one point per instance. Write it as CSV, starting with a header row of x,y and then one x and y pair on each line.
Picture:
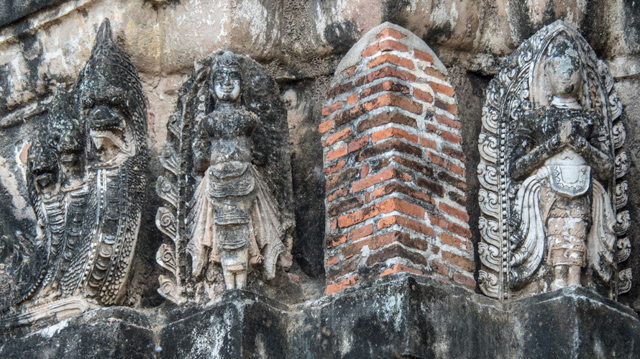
x,y
398,316
115,332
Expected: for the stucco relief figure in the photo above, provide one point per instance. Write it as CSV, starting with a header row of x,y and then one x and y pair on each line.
x,y
86,177
564,154
237,219
548,171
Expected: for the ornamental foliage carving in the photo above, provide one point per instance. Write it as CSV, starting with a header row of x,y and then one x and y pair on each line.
x,y
227,183
86,177
552,196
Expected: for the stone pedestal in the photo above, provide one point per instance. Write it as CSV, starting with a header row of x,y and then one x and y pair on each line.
x,y
398,316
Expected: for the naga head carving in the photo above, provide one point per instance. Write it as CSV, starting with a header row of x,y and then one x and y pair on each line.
x,y
42,166
66,136
111,101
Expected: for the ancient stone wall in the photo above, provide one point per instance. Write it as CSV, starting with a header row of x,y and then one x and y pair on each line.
x,y
384,106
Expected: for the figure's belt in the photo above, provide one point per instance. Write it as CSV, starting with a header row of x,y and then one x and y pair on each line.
x,y
569,181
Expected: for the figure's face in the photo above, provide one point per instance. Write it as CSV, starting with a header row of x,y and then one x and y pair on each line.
x,y
564,73
226,85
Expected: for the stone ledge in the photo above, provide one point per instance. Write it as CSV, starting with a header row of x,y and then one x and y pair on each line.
x,y
396,316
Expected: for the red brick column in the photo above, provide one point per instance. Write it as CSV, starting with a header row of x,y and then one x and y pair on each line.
x,y
394,167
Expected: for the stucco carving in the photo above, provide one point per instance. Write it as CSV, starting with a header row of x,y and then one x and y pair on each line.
x,y
86,179
227,182
549,163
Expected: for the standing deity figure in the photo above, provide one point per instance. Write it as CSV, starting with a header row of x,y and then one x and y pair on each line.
x,y
548,170
237,218
86,178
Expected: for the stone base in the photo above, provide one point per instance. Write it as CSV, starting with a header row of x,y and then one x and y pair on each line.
x,y
397,317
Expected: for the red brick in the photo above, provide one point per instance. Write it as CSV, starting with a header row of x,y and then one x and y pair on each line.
x,y
422,95
444,120
395,187
450,240
344,206
460,214
384,46
391,59
388,85
338,136
386,206
457,198
374,242
360,232
341,192
464,280
407,223
335,168
428,143
349,71
379,177
439,268
400,268
341,178
352,99
337,153
462,262
341,285
333,260
459,170
342,270
325,126
339,90
364,170
443,89
435,249
423,56
331,109
431,128
430,71
387,71
448,136
358,143
448,178
386,99
334,224
385,118
433,187
414,165
389,145
367,197
395,251
459,230
454,153
449,107
438,220
393,132
389,33
437,160
334,241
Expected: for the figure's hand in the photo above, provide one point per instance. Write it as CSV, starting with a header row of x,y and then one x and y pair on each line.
x,y
566,130
578,143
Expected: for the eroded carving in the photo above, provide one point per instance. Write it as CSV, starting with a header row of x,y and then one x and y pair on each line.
x,y
548,162
229,133
86,177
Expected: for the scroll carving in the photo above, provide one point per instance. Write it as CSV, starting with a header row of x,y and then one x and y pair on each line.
x,y
227,183
551,209
86,182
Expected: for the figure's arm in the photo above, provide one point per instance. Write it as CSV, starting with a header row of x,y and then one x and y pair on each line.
x,y
201,151
529,161
596,151
259,144
527,155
